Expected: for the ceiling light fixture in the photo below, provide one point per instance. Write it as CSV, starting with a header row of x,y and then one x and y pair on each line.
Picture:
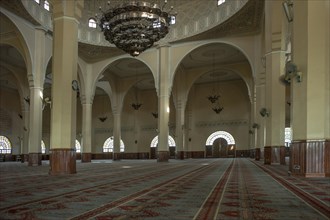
x,y
134,26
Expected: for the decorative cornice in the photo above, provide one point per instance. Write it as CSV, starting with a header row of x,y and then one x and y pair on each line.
x,y
222,123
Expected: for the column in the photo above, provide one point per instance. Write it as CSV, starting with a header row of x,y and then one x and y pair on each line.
x,y
310,104
163,104
261,131
180,130
25,147
35,126
116,135
65,57
86,151
275,90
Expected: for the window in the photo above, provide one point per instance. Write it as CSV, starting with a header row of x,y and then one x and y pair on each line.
x,y
171,142
46,5
173,19
5,145
78,147
43,147
220,134
37,1
108,145
92,23
221,2
288,136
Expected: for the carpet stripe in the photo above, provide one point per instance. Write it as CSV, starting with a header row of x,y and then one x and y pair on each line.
x,y
304,196
98,211
209,208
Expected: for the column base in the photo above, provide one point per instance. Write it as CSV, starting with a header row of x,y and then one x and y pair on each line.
x,y
62,161
257,156
267,155
117,156
34,159
310,158
25,158
163,156
180,155
86,157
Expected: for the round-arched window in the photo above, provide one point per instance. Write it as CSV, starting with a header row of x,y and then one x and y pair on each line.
x,y
5,145
220,134
108,145
171,142
78,147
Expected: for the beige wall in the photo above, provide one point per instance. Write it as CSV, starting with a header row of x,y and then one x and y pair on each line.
x,y
11,125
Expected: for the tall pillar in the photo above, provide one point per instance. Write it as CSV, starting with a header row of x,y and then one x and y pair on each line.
x,y
35,126
25,147
86,152
65,57
163,104
275,91
260,132
180,130
116,135
310,104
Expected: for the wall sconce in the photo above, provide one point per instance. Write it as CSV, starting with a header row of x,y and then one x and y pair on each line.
x,y
102,119
75,85
255,125
264,112
287,6
136,106
27,99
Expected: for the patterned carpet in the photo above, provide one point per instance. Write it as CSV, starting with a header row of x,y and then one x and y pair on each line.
x,y
144,189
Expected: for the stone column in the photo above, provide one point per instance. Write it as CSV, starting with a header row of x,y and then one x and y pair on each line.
x,y
86,151
180,139
163,104
35,126
65,57
25,147
116,135
310,104
275,90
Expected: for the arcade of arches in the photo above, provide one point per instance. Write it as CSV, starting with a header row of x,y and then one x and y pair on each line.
x,y
61,82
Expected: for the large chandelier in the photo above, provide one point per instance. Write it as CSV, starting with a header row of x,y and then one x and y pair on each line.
x,y
134,26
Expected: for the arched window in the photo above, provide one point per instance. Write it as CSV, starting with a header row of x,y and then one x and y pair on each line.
x,y
92,23
78,147
171,142
46,5
5,145
220,2
43,147
220,134
288,136
108,145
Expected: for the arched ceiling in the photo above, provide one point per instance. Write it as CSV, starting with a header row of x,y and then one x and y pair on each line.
x,y
246,22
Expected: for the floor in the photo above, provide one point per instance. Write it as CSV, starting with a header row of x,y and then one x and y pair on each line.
x,y
179,189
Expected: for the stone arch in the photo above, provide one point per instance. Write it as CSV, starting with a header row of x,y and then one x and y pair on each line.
x,y
21,45
190,48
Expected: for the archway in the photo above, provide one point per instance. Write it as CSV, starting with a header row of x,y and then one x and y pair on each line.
x,y
220,144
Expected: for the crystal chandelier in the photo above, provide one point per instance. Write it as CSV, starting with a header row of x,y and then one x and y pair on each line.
x,y
134,26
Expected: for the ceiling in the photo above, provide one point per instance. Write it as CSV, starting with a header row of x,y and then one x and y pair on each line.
x,y
210,57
